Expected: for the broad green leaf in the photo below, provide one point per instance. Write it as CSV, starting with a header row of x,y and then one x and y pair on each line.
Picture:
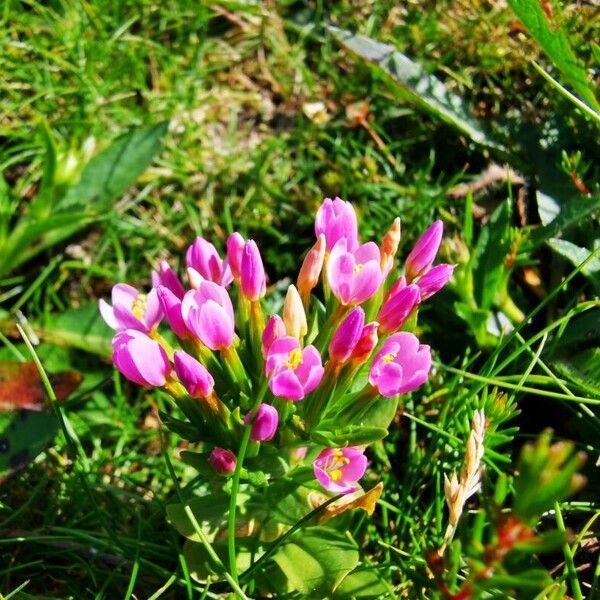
x,y
210,512
566,214
417,85
111,173
576,255
316,560
81,328
23,435
555,43
362,583
493,246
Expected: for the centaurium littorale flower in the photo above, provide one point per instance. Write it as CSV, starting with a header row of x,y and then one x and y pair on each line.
x,y
131,309
398,305
338,469
167,277
354,276
293,372
204,258
140,358
336,219
274,330
171,307
222,461
401,366
208,314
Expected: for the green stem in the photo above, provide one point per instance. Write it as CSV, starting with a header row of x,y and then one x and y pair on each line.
x,y
235,484
569,562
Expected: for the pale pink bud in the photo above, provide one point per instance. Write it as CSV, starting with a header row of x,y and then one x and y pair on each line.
x,y
265,423
222,461
347,335
434,280
274,330
193,375
253,278
294,316
389,245
194,278
421,257
310,271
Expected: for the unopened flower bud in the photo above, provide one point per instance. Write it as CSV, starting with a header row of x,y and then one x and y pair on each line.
x,y
310,271
193,375
421,257
265,423
366,344
222,461
166,277
194,278
253,277
274,330
434,280
294,316
347,335
389,245
235,251
398,306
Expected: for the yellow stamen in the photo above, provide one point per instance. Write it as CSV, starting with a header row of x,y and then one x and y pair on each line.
x,y
336,474
295,359
389,357
138,307
358,268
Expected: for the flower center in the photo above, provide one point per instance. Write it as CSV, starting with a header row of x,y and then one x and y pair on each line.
x,y
139,306
335,463
294,359
358,268
389,357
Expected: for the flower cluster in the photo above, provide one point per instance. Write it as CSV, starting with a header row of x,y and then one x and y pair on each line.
x,y
288,379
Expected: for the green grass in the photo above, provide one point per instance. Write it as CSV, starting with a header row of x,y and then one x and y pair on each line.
x,y
87,518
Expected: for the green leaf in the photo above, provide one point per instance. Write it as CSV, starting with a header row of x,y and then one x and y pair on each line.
x,y
493,246
23,435
81,328
582,369
417,85
576,255
203,569
316,560
353,435
362,583
111,173
555,43
210,512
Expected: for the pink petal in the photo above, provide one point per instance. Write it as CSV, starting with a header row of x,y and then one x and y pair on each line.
x,y
215,328
285,384
367,282
107,314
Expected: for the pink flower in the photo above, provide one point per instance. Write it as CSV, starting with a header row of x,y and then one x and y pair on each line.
x,y
336,219
434,280
347,335
398,306
338,469
235,251
222,461
193,375
253,279
366,344
293,373
166,277
140,358
265,423
208,314
171,307
401,366
131,310
421,257
354,276
204,258
274,330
